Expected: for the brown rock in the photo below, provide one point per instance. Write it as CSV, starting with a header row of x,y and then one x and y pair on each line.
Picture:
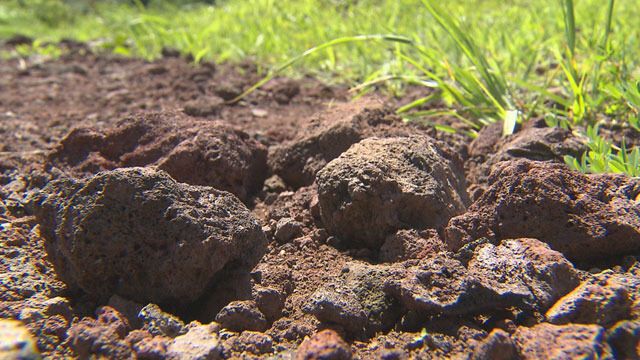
x,y
138,233
525,269
242,315
497,346
546,341
604,299
199,343
381,185
581,216
411,244
624,339
330,133
16,342
325,345
100,337
191,151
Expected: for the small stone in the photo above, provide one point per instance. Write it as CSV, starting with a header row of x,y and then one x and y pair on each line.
x,y
497,346
199,343
242,315
325,345
204,107
287,229
157,322
547,341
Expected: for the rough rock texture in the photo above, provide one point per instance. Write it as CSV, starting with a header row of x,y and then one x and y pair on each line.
x,y
246,344
138,233
497,346
242,315
16,342
199,343
546,341
525,269
101,337
534,141
603,299
440,284
325,345
381,185
191,151
356,300
411,244
330,133
581,216
624,339
146,346
157,322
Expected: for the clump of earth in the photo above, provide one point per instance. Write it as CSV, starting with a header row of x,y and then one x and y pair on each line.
x,y
143,216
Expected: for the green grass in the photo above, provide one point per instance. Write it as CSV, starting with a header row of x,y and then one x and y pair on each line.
x,y
572,63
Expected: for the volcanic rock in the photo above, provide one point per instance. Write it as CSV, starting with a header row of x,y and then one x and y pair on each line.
x,y
330,133
410,244
100,337
138,233
604,299
16,342
242,315
525,269
381,185
199,343
497,346
546,341
581,216
325,345
192,151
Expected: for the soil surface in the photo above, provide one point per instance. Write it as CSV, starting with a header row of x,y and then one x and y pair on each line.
x,y
144,216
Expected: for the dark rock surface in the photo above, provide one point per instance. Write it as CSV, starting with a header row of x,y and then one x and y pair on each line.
x,y
101,337
138,233
410,244
242,315
381,185
331,132
581,216
192,151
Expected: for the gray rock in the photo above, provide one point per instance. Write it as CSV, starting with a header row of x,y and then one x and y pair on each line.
x,y
546,341
157,322
603,299
581,216
526,270
242,315
199,343
287,229
381,185
336,303
138,233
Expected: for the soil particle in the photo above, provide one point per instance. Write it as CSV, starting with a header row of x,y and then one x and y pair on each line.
x,y
381,185
145,236
581,216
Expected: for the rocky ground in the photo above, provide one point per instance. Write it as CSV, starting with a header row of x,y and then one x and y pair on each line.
x,y
143,217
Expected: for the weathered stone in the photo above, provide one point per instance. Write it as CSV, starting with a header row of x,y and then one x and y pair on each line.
x,y
16,342
157,322
624,339
356,300
191,151
581,216
546,341
497,346
603,299
270,301
250,342
100,337
410,244
199,343
440,284
146,346
325,345
526,270
381,185
204,107
138,233
242,315
287,229
328,134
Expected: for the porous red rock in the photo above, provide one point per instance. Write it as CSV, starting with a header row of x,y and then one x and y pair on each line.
x,y
192,151
603,299
103,336
199,343
138,233
381,185
331,132
410,244
547,341
581,216
242,315
526,269
325,345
